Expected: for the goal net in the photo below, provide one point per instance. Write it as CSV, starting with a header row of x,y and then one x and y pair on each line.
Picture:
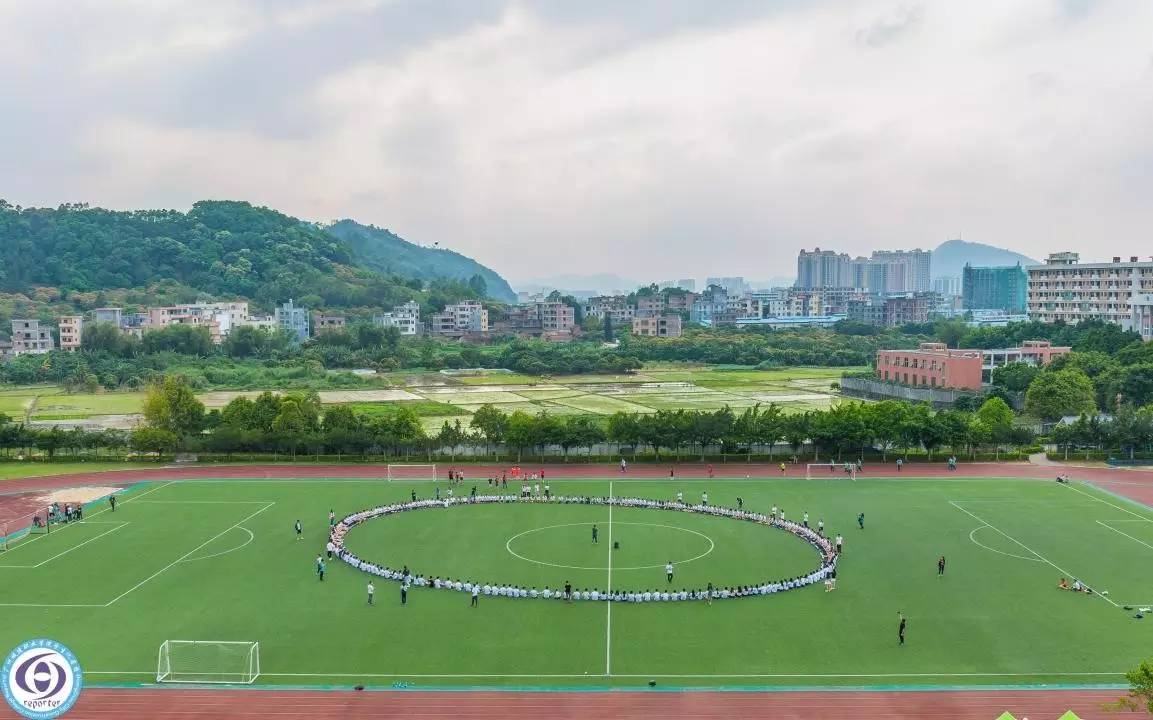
x,y
412,472
830,471
208,661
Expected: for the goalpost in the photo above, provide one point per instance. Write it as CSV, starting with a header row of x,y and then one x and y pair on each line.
x,y
829,471
208,661
412,472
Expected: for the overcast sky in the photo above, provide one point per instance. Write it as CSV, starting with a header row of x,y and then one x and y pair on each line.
x,y
652,138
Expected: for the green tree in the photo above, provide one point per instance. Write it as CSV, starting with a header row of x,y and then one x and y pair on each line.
x,y
607,326
1052,395
154,440
491,423
171,406
1140,695
1015,377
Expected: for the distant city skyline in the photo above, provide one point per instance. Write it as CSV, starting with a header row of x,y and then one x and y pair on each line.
x,y
538,135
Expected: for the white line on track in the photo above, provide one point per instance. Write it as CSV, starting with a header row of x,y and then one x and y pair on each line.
x,y
1027,548
609,605
1112,505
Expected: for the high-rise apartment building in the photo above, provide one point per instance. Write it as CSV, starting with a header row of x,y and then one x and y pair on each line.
x,y
994,288
822,268
904,270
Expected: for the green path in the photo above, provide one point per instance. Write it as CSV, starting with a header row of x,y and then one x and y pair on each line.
x,y
218,560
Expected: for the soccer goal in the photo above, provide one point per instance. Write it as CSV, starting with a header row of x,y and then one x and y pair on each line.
x,y
412,472
208,661
830,471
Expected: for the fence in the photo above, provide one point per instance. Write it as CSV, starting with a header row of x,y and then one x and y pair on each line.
x,y
878,390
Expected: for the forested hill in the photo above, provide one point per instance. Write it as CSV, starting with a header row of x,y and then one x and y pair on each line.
x,y
385,251
218,248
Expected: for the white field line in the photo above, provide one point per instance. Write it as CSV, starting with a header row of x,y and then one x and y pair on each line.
x,y
207,502
244,544
1112,505
1119,532
978,543
185,555
609,605
74,547
1028,549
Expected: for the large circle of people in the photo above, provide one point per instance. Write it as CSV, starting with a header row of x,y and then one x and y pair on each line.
x,y
821,543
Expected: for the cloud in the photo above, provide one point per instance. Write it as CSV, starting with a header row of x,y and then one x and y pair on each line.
x,y
714,138
890,28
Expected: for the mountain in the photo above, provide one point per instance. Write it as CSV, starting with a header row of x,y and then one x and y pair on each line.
x,y
950,257
81,257
386,252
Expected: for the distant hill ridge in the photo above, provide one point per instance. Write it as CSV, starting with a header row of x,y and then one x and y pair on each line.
x,y
224,248
950,257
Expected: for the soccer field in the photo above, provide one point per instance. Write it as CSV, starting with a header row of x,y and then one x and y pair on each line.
x,y
218,560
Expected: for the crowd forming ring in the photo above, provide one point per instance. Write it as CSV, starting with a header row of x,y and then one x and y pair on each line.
x,y
820,543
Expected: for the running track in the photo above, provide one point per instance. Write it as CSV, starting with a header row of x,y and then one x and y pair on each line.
x,y
19,497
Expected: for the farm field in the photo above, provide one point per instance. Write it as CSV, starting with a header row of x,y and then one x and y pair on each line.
x,y
662,387
218,560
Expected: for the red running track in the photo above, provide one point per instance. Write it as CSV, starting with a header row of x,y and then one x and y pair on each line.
x,y
185,704
173,704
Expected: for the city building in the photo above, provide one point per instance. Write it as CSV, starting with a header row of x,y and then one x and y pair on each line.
x,y
995,288
111,315
614,306
823,268
1031,352
680,301
405,317
219,318
993,318
324,323
732,285
658,326
1065,289
650,305
293,320
903,271
894,310
947,285
934,365
786,323
71,331
28,338
710,306
462,318
542,318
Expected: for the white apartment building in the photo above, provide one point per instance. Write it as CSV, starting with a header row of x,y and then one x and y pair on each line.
x,y
468,316
406,317
219,318
1065,289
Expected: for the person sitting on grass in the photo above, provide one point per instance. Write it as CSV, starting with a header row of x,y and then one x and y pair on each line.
x,y
1063,585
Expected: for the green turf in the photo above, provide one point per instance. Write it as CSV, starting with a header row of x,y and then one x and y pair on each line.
x,y
176,562
13,470
423,408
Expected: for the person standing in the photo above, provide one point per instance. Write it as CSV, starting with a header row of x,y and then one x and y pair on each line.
x,y
740,503
320,568
901,629
594,534
900,464
475,596
624,466
669,571
112,501
299,530
371,591
840,543
940,566
404,592
805,518
704,498
861,520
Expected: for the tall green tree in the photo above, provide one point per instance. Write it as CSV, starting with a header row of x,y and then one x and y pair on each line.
x,y
170,405
1053,395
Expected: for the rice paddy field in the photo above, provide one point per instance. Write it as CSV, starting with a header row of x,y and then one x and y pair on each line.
x,y
446,396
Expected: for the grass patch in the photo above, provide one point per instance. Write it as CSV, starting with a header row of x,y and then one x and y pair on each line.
x,y
80,406
14,470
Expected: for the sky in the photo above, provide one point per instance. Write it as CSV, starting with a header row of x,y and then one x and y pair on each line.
x,y
651,138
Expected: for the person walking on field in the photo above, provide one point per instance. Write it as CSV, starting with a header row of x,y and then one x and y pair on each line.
x,y
901,629
112,502
940,566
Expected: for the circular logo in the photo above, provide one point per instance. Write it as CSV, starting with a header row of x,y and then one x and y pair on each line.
x,y
41,679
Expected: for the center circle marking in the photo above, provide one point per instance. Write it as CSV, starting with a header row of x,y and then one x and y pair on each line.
x,y
514,553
